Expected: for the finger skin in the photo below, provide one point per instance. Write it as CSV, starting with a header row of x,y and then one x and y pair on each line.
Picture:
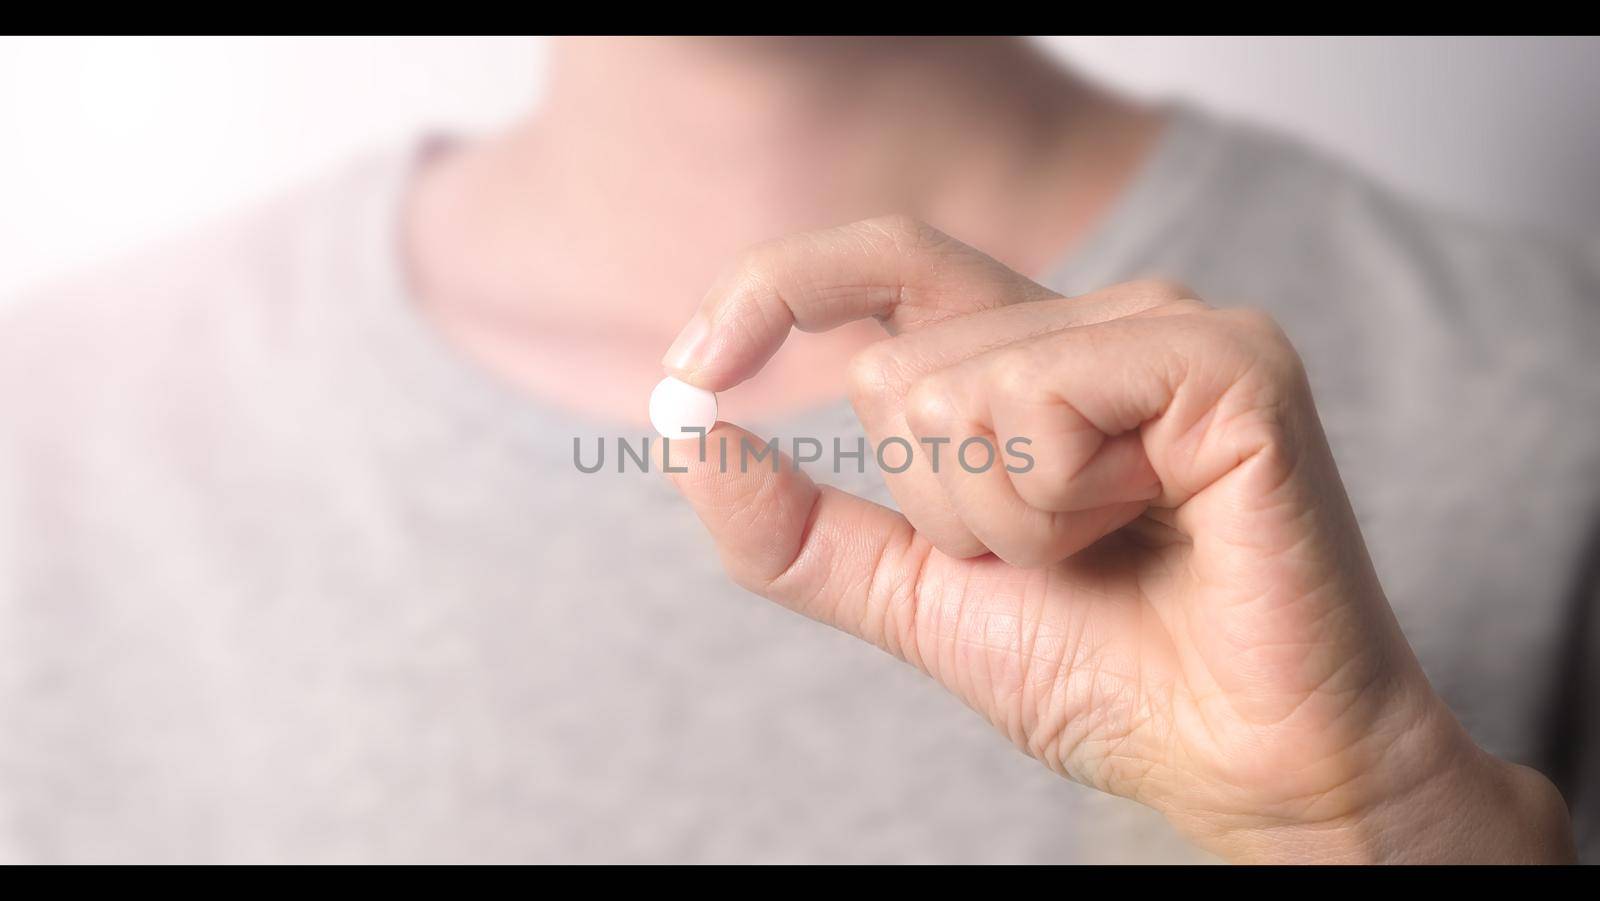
x,y
1203,390
1247,679
977,626
895,269
829,555
899,271
1226,422
981,492
1230,660
882,374
1075,465
911,278
1138,378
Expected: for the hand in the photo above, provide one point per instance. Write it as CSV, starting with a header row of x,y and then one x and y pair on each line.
x,y
1173,603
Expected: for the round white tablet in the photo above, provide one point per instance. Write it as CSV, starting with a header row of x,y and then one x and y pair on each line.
x,y
676,406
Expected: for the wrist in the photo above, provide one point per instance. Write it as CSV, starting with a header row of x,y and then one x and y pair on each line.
x,y
1480,810
1439,798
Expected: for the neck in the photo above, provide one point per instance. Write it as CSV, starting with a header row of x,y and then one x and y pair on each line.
x,y
797,133
870,123
600,219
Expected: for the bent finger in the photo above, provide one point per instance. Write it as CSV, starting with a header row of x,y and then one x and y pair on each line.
x,y
896,270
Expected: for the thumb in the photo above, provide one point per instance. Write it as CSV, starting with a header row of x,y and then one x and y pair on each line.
x,y
824,553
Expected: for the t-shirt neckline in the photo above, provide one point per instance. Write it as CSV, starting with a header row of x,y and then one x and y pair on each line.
x,y
426,368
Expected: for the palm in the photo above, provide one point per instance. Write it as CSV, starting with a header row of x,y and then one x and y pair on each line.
x,y
1168,655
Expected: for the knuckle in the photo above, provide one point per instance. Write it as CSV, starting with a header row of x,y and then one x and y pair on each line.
x,y
754,263
747,281
1251,321
903,231
931,406
1260,335
1163,291
1013,374
749,295
875,373
1189,304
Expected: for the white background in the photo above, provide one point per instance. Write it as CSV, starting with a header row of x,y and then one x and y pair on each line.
x,y
108,143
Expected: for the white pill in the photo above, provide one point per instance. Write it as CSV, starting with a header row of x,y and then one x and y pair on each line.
x,y
676,406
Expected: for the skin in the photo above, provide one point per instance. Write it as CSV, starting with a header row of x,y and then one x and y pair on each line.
x,y
581,237
1175,605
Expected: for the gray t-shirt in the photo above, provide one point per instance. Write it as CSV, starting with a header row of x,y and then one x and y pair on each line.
x,y
283,579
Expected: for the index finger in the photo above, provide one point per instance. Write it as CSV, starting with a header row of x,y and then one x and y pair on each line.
x,y
895,269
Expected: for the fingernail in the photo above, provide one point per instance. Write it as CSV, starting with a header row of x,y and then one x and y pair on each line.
x,y
681,356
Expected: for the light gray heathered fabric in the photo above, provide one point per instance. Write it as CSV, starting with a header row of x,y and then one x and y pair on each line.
x,y
281,579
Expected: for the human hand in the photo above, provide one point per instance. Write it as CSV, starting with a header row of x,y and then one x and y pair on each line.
x,y
1173,603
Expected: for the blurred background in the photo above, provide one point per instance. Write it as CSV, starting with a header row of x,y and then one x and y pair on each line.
x,y
107,143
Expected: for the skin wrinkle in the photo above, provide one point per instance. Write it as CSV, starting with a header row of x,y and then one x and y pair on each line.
x,y
1227,656
1204,432
1355,738
1103,692
1325,611
749,322
1024,311
897,301
997,636
1001,546
1242,470
1070,673
895,229
1395,798
1308,802
1031,619
961,675
1146,691
877,607
929,630
889,304
1086,460
1027,664
1297,517
873,623
1001,641
905,601
805,552
1000,638
1353,774
948,533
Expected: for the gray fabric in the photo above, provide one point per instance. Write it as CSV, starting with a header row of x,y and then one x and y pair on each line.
x,y
282,579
